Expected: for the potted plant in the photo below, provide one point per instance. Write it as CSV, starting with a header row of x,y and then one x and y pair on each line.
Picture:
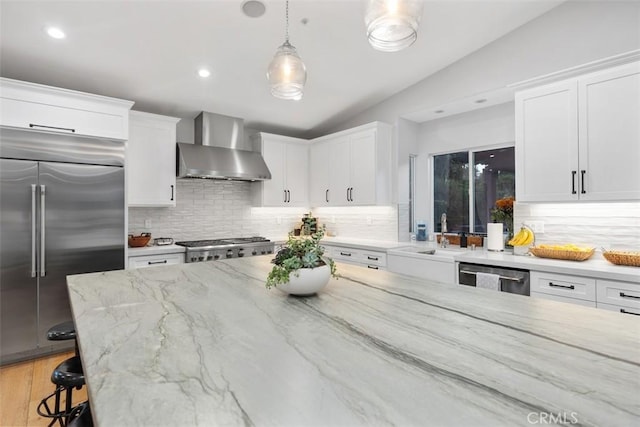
x,y
300,267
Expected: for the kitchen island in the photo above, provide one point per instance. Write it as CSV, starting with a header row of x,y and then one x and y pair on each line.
x,y
206,344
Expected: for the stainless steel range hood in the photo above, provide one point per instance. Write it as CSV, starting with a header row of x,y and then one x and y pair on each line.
x,y
220,152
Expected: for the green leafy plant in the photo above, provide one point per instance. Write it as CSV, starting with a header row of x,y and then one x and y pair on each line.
x,y
297,253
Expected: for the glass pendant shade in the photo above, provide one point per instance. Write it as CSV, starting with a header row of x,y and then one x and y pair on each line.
x,y
287,73
392,25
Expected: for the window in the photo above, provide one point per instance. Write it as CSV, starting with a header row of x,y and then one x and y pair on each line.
x,y
457,187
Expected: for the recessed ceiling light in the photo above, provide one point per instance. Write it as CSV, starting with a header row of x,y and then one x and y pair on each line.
x,y
56,33
492,155
203,72
253,8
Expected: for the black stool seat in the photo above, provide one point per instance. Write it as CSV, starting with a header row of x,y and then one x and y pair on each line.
x,y
69,373
80,416
62,331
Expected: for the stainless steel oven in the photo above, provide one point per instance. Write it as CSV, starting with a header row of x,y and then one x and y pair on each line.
x,y
512,280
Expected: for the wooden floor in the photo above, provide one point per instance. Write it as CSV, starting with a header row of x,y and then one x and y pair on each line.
x,y
23,385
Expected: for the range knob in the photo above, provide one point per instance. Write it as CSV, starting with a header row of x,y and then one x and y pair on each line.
x,y
216,257
194,259
254,252
240,252
229,253
209,258
201,258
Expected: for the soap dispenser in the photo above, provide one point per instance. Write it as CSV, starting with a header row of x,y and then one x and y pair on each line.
x,y
463,240
421,235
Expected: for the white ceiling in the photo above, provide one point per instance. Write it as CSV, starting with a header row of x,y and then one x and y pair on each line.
x,y
149,52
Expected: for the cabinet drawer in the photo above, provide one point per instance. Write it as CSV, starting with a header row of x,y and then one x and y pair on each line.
x,y
568,300
52,118
621,294
378,259
155,260
345,254
563,285
620,309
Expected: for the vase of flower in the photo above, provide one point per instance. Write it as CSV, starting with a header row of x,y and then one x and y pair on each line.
x,y
503,212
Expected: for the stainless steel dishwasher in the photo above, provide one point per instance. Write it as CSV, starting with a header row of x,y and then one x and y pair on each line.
x,y
512,280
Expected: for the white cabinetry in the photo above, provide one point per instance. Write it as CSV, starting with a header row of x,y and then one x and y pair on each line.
x,y
374,260
288,161
43,108
353,167
622,297
562,287
438,270
151,160
155,260
579,139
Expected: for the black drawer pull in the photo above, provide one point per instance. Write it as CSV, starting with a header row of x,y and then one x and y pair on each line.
x,y
156,262
372,267
623,295
372,258
573,182
622,310
345,254
583,191
33,125
554,285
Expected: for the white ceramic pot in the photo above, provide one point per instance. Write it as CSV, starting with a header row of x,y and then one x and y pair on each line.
x,y
306,281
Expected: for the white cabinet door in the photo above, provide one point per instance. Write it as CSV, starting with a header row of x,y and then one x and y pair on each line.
x,y
319,174
297,174
435,270
44,108
363,168
547,143
610,134
340,172
151,160
273,190
288,161
155,260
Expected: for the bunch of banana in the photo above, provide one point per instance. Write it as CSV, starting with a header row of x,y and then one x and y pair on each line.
x,y
524,237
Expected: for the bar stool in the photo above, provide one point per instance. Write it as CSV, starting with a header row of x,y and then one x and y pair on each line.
x,y
66,376
80,416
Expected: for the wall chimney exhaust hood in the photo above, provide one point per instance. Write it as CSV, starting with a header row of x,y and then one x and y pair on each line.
x,y
220,152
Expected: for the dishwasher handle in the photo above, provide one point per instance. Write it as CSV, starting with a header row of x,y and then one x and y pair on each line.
x,y
513,279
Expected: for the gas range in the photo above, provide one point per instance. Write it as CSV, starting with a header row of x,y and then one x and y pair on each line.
x,y
210,250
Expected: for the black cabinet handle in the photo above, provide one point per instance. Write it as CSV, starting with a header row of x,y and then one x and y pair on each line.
x,y
372,258
156,262
622,310
573,182
345,254
372,267
172,188
326,195
554,285
351,194
284,196
33,125
623,295
582,190
348,195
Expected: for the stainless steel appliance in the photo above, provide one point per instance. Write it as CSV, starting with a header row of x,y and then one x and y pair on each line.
x,y
210,250
220,151
512,280
62,212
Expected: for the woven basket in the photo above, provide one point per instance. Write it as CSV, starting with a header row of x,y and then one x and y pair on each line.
x,y
139,241
560,254
623,258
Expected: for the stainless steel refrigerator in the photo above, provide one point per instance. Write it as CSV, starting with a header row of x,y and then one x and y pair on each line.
x,y
62,212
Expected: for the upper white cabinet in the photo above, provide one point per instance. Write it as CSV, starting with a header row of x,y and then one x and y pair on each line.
x,y
288,161
151,160
44,108
352,167
579,139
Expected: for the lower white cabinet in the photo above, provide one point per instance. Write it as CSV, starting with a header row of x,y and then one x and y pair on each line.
x,y
155,260
559,298
561,285
374,260
438,270
622,297
620,309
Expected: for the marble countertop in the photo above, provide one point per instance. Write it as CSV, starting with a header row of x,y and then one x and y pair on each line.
x,y
206,344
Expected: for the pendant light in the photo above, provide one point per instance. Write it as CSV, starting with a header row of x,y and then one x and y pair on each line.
x,y
287,73
392,25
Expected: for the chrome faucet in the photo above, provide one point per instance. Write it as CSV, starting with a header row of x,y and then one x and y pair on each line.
x,y
444,242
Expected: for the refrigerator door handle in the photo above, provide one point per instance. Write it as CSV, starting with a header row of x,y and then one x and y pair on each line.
x,y
33,230
42,230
